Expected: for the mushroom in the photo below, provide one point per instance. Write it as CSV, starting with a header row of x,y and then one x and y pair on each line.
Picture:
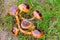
x,y
13,10
26,24
15,31
24,7
37,14
37,33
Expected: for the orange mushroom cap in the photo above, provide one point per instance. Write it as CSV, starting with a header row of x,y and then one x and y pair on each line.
x,y
15,31
26,24
37,33
24,7
37,14
13,10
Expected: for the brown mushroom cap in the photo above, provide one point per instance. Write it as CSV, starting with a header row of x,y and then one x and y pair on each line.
x,y
37,33
24,7
26,24
37,14
15,31
13,10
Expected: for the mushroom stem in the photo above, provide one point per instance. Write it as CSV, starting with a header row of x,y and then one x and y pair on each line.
x,y
18,22
24,18
21,30
20,14
25,32
32,18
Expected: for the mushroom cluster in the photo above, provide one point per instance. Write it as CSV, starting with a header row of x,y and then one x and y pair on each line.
x,y
26,24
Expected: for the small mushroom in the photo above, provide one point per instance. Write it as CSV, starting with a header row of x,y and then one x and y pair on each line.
x,y
15,31
24,7
13,10
37,33
26,24
37,14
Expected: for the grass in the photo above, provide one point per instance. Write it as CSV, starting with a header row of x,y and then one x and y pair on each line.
x,y
50,24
